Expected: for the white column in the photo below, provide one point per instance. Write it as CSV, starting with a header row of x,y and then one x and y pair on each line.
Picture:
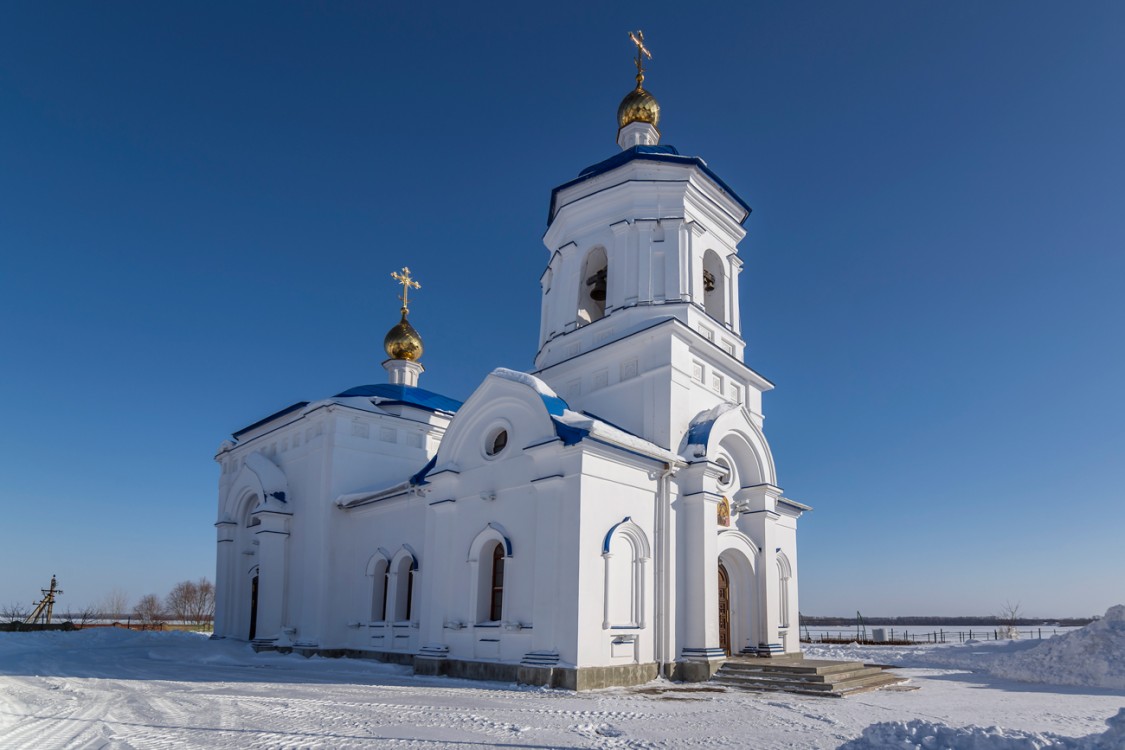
x,y
691,282
617,264
226,578
735,314
759,521
698,592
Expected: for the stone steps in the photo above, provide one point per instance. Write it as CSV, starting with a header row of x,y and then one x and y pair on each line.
x,y
806,677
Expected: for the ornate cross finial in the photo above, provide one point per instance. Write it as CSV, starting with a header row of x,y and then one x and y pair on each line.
x,y
638,38
407,284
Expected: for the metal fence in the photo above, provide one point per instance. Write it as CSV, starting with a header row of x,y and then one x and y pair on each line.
x,y
906,637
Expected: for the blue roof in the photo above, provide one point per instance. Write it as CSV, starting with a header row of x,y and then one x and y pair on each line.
x,y
420,477
699,433
287,410
648,153
409,395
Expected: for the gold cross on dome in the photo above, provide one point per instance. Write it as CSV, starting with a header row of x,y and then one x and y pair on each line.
x,y
638,38
407,284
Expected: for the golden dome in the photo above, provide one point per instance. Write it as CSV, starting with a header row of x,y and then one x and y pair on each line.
x,y
638,106
402,341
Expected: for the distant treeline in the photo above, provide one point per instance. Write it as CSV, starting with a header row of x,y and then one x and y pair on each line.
x,y
1065,622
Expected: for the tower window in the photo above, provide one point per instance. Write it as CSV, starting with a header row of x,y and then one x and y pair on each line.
x,y
714,286
594,287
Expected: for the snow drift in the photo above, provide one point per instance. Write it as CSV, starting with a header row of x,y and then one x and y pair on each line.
x,y
1093,656
925,735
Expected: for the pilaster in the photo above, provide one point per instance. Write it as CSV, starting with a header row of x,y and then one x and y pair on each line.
x,y
698,592
691,281
225,559
272,535
758,519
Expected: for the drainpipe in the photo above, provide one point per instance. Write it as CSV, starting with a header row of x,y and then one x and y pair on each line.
x,y
660,569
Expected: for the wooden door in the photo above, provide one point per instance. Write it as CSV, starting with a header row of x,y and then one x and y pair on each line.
x,y
724,610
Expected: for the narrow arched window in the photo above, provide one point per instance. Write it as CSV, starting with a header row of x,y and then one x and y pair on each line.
x,y
496,603
594,287
714,286
410,595
404,575
379,581
386,586
782,592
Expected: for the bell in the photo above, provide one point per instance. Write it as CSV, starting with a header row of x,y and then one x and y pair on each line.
x,y
708,281
597,284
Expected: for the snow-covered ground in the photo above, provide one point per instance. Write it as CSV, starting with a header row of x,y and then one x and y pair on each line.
x,y
116,689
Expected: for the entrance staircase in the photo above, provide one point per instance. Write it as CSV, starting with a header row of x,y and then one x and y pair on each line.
x,y
795,674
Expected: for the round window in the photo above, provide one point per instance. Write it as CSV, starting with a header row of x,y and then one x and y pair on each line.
x,y
726,478
496,442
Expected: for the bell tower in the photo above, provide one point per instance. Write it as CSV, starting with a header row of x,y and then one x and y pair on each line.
x,y
640,310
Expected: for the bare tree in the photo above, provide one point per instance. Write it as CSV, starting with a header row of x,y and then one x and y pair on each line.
x,y
148,610
80,618
13,612
115,605
192,602
1010,616
203,610
180,600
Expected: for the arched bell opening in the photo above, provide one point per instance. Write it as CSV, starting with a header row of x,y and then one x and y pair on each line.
x,y
593,287
715,286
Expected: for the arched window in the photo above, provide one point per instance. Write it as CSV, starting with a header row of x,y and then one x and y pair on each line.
x,y
379,570
782,591
490,571
714,286
625,551
404,588
496,596
593,287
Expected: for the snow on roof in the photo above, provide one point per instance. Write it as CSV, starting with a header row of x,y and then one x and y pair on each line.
x,y
699,431
572,426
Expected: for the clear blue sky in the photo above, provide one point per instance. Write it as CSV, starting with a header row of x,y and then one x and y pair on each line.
x,y
200,205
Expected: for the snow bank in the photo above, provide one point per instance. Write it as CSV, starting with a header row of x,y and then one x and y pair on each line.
x,y
1093,656
925,735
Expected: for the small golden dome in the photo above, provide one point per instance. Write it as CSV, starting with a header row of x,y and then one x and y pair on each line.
x,y
638,106
402,341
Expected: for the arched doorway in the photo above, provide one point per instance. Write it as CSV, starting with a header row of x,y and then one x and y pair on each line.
x,y
724,610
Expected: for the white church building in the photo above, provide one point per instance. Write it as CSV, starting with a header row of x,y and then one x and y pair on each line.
x,y
607,518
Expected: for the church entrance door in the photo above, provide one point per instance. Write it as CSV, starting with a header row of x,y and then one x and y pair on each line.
x,y
253,607
724,610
